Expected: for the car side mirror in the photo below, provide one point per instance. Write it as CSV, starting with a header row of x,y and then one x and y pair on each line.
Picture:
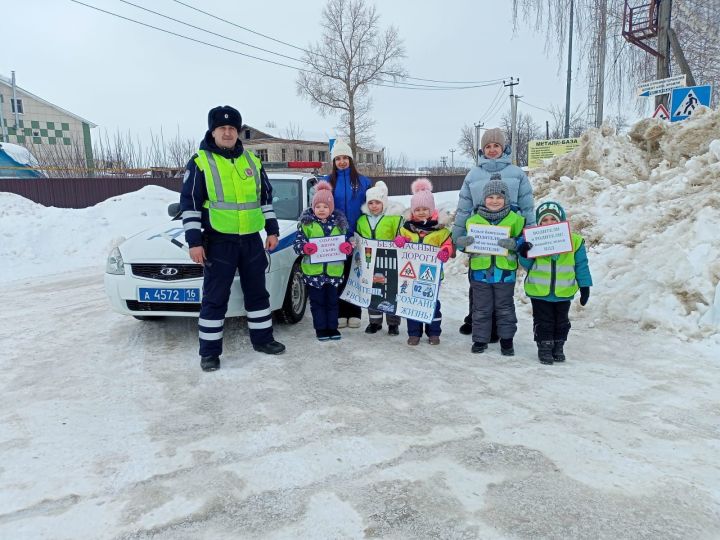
x,y
173,209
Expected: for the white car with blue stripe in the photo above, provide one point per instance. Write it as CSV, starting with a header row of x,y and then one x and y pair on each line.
x,y
150,275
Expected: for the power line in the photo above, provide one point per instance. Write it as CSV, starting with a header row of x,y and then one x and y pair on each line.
x,y
535,106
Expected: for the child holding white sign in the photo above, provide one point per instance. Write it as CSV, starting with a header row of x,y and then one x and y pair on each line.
x,y
424,225
379,222
493,267
551,284
323,278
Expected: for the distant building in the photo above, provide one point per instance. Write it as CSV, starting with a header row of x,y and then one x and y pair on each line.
x,y
41,125
271,145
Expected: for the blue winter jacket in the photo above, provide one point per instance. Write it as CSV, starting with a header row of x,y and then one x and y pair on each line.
x,y
471,192
582,272
350,201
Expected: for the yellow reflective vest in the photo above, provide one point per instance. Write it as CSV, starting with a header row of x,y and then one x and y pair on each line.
x,y
554,276
233,188
332,269
479,261
386,228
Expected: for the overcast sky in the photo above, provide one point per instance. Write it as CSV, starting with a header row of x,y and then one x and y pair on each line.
x,y
123,76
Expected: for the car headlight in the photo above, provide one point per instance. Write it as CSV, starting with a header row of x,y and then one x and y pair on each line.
x,y
114,264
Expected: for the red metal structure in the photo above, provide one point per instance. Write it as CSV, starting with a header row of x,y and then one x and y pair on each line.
x,y
640,24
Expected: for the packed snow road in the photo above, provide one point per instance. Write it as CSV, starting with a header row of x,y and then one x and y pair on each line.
x,y
110,430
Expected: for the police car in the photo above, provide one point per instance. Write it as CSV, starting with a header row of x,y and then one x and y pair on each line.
x,y
151,275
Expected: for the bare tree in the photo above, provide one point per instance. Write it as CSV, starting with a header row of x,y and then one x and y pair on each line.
x,y
353,54
467,144
527,130
294,132
578,122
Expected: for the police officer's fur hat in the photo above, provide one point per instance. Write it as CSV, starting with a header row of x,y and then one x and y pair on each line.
x,y
224,115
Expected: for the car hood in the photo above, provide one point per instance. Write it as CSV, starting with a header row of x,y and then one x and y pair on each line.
x,y
166,242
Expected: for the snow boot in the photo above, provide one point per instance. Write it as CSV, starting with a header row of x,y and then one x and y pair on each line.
x,y
394,330
373,328
506,347
334,334
413,340
466,328
545,352
274,347
478,347
322,335
557,352
210,363
434,340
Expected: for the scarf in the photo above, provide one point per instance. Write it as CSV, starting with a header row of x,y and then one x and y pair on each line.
x,y
493,217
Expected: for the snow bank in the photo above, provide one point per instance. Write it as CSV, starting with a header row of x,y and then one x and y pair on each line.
x,y
649,208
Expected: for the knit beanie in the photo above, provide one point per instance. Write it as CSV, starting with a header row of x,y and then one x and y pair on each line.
x,y
379,192
422,195
549,207
224,115
496,187
340,148
494,135
324,194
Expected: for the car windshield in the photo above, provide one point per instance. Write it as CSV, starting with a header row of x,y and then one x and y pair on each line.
x,y
287,201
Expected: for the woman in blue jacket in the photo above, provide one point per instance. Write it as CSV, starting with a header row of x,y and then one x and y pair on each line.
x,y
349,188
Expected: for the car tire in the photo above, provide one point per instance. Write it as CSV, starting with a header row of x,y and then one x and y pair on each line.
x,y
147,318
293,308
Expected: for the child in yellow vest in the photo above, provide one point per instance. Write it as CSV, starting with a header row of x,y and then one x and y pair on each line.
x,y
551,284
322,279
426,226
492,277
379,221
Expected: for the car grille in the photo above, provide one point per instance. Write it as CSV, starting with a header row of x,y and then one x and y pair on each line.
x,y
134,305
155,271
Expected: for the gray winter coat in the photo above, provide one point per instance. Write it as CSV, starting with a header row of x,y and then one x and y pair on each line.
x,y
471,193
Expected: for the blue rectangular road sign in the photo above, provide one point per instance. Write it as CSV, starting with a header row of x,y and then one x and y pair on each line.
x,y
685,100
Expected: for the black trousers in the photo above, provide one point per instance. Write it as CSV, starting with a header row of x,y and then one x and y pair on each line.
x,y
324,306
550,320
346,309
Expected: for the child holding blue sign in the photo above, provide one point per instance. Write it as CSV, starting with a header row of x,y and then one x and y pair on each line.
x,y
322,278
492,277
424,225
551,284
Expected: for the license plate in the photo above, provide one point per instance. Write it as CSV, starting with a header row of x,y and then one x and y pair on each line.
x,y
168,295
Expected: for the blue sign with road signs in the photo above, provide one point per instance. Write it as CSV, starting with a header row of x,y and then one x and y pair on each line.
x,y
684,101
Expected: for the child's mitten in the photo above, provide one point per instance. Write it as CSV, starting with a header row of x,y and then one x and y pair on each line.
x,y
443,255
400,241
346,248
464,241
310,248
584,295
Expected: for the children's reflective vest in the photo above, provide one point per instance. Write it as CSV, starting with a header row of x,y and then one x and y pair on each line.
x,y
556,276
385,229
479,261
332,269
434,238
233,192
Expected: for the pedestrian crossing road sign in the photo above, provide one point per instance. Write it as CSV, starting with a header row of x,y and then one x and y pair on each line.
x,y
686,100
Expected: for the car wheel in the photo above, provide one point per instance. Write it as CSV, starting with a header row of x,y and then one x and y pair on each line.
x,y
295,301
147,318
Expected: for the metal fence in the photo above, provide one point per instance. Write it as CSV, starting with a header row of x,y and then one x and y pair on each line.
x,y
84,192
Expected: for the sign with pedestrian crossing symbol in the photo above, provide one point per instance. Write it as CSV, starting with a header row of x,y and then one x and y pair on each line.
x,y
686,100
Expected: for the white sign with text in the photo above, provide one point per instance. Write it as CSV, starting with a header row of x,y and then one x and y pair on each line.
x,y
549,239
328,249
485,239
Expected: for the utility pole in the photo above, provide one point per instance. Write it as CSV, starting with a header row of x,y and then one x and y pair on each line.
x,y
477,141
663,46
566,131
452,159
513,116
547,129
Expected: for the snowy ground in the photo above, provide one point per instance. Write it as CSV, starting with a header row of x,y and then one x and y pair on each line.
x,y
108,428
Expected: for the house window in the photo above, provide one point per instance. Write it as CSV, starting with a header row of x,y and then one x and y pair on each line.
x,y
17,103
311,155
322,155
298,155
262,154
283,155
377,156
247,133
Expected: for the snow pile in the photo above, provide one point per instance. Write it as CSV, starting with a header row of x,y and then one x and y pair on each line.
x,y
36,240
19,154
649,208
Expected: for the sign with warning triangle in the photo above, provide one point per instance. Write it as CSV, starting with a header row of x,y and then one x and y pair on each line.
x,y
408,271
685,101
661,112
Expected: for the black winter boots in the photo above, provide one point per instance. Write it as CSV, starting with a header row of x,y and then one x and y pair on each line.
x,y
210,363
373,328
557,352
506,347
545,352
274,347
478,347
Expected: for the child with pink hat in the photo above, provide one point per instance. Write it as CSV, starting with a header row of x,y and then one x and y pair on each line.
x,y
425,225
322,279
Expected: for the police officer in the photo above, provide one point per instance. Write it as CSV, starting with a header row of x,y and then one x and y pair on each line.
x,y
226,201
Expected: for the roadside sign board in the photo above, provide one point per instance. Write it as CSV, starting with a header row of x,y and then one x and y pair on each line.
x,y
661,112
540,150
685,101
661,86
